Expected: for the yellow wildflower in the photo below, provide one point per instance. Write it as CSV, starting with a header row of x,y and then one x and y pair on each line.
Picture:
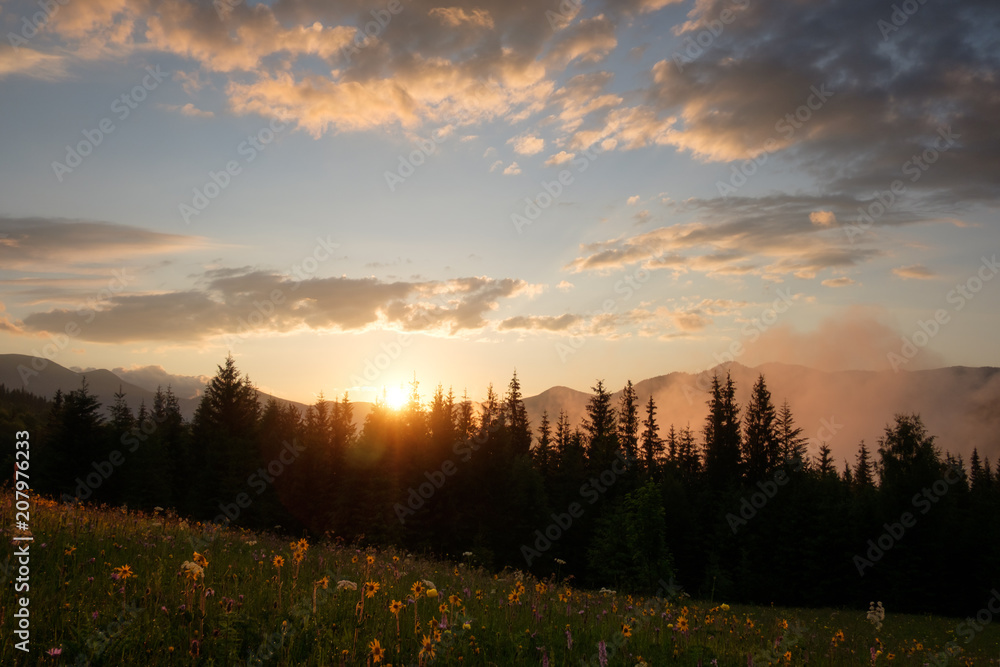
x,y
377,651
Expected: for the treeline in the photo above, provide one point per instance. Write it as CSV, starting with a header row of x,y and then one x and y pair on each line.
x,y
737,511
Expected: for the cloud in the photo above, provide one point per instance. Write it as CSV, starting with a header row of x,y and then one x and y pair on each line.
x,y
842,281
823,218
539,323
564,286
241,42
455,17
795,102
528,144
649,6
248,302
914,272
27,62
32,244
691,321
512,169
562,157
187,110
152,377
6,325
767,236
754,91
590,40
191,82
858,338
633,200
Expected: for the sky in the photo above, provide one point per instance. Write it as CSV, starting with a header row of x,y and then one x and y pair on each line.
x,y
349,195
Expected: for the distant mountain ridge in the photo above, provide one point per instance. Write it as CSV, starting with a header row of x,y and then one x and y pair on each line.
x,y
959,405
20,371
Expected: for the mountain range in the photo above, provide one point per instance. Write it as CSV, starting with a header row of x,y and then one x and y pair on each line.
x,y
959,405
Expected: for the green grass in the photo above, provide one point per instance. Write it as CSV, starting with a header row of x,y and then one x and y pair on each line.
x,y
158,616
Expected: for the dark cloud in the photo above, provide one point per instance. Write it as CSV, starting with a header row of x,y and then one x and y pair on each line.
x,y
230,302
52,244
152,378
539,322
772,235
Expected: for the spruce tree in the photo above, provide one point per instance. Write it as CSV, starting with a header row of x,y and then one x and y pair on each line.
x,y
863,473
628,423
761,444
602,436
517,419
543,451
791,444
722,435
224,434
652,445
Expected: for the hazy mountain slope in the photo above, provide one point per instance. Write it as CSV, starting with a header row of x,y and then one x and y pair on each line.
x,y
960,406
17,371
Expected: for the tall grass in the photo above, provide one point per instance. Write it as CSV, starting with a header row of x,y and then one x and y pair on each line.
x,y
111,586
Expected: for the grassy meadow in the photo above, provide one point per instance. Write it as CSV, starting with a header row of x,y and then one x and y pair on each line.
x,y
111,586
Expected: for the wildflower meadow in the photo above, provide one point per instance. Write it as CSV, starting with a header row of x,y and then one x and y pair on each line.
x,y
113,586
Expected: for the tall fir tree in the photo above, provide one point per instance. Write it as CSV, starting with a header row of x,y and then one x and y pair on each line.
x,y
628,424
689,458
761,443
652,445
722,435
791,444
517,419
864,477
224,433
824,464
602,435
543,450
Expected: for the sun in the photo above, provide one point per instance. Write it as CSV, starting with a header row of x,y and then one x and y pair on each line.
x,y
394,397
